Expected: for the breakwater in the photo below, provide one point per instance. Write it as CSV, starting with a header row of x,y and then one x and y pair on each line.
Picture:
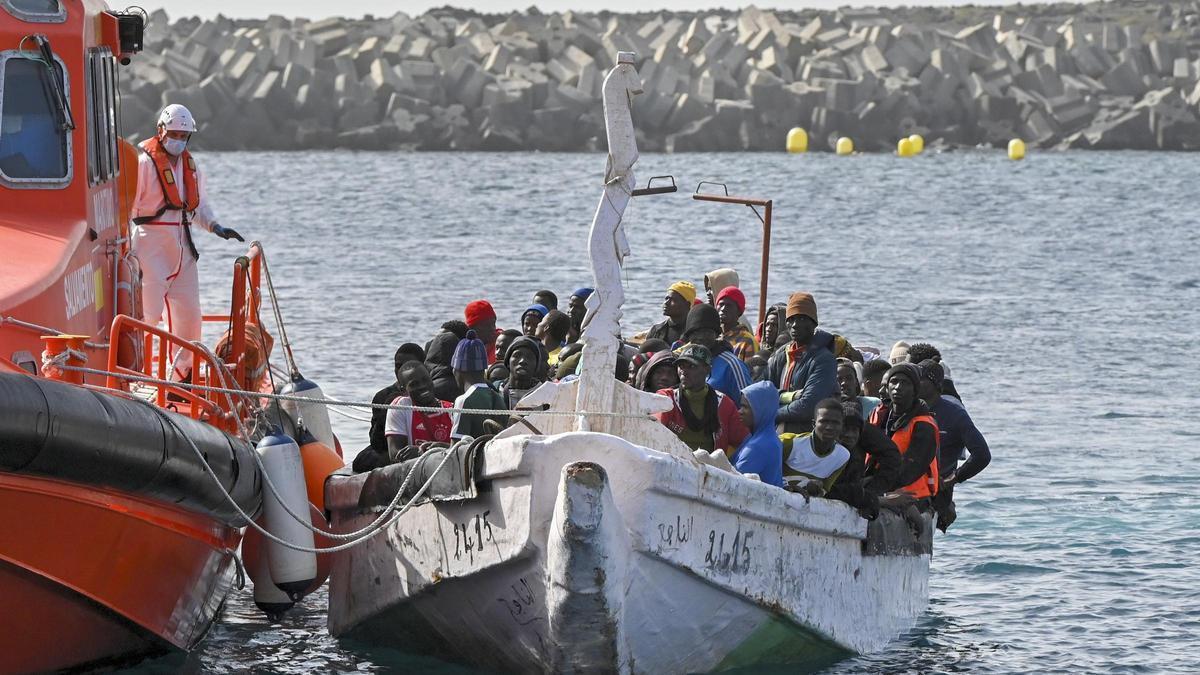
x,y
1110,75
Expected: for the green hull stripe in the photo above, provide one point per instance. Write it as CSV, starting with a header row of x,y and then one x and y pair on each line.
x,y
781,642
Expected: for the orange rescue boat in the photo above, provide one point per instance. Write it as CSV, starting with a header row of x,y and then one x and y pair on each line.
x,y
117,539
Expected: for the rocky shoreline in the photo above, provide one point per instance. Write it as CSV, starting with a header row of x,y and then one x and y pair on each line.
x,y
1105,75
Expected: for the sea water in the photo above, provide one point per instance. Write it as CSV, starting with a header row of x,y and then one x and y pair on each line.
x,y
1063,291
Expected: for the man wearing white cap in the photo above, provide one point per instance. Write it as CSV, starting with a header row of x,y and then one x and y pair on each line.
x,y
170,199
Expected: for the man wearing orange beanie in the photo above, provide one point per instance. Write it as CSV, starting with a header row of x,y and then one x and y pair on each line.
x,y
805,369
481,318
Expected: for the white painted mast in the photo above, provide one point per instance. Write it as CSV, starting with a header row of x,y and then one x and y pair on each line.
x,y
607,249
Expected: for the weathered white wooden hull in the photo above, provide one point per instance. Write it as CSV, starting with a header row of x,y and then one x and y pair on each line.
x,y
583,551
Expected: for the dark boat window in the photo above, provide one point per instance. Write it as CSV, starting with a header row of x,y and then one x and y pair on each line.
x,y
34,147
37,11
102,122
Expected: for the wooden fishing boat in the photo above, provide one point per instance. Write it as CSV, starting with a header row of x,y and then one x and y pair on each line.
x,y
115,540
599,543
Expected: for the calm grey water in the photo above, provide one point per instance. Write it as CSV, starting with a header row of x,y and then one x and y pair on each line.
x,y
1063,291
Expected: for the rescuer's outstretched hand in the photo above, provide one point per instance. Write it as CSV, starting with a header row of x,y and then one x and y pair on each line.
x,y
226,232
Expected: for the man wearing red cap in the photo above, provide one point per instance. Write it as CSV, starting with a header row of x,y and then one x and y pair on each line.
x,y
731,305
481,318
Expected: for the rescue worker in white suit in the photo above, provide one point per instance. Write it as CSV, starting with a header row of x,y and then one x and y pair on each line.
x,y
170,199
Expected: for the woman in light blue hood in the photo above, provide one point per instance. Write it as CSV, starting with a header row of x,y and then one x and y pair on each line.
x,y
761,452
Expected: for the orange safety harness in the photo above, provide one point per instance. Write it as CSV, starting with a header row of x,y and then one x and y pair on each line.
x,y
927,484
170,189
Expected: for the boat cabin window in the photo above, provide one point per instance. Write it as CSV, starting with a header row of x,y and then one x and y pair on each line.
x,y
35,148
36,11
102,118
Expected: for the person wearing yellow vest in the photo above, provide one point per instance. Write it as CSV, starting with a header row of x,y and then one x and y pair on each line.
x,y
170,199
906,419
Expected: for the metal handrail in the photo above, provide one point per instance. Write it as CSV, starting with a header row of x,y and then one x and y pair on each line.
x,y
204,406
764,218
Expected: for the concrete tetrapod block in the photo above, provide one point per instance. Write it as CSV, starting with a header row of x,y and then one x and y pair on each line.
x,y
293,77
218,92
1124,80
192,98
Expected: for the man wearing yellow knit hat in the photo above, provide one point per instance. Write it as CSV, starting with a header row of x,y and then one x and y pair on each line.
x,y
676,305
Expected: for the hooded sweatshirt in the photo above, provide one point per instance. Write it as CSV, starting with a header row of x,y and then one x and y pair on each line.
x,y
438,354
775,313
762,451
663,359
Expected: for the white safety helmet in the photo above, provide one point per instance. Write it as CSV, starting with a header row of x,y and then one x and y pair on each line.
x,y
177,118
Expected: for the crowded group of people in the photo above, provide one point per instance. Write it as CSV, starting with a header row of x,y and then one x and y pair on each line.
x,y
785,402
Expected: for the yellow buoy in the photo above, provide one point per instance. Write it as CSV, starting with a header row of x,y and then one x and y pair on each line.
x,y
845,146
918,143
905,148
1016,149
797,140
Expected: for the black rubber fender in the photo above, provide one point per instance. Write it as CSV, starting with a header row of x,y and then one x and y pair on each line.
x,y
58,430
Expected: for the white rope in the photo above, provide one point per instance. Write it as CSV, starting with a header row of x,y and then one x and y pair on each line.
x,y
348,415
59,361
283,542
353,404
304,520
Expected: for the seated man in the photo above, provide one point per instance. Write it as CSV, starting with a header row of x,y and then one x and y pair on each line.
x,y
772,332
577,310
906,419
731,306
848,387
407,430
873,466
923,351
872,379
437,359
676,305
703,418
956,433
813,462
803,369
552,331
481,317
470,362
730,375
546,298
762,452
659,372
407,352
531,317
498,371
527,368
404,430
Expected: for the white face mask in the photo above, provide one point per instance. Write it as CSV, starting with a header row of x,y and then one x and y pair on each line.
x,y
174,146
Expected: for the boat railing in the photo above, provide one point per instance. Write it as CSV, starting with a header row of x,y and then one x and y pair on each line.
x,y
227,369
765,218
218,409
244,306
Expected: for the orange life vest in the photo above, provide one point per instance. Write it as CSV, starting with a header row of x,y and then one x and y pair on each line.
x,y
166,179
927,484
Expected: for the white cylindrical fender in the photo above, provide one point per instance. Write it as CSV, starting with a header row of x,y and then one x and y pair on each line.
x,y
314,416
267,596
291,570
